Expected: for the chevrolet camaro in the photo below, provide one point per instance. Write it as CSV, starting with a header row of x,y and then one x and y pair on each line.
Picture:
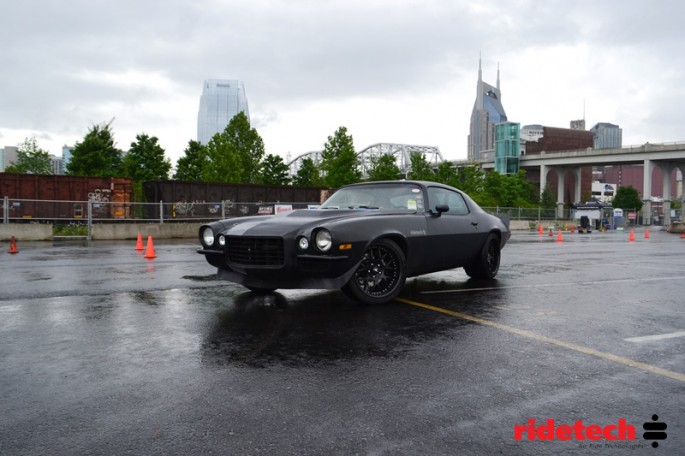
x,y
366,239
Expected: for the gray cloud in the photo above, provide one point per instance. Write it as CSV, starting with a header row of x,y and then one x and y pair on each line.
x,y
68,65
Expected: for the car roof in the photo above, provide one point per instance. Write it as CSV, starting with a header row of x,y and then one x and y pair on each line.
x,y
397,182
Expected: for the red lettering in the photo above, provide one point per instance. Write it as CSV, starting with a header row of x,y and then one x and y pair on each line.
x,y
625,431
519,429
546,432
531,429
607,432
578,429
594,432
564,432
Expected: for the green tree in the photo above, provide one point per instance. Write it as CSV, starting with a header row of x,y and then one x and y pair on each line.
x,y
308,174
222,163
96,155
471,180
447,174
492,189
234,155
511,190
274,171
189,166
420,168
547,200
31,159
384,168
145,160
339,161
627,198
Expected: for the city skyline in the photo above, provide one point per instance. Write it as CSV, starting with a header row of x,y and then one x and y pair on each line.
x,y
400,72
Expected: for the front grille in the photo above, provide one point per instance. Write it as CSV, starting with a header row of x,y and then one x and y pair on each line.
x,y
255,251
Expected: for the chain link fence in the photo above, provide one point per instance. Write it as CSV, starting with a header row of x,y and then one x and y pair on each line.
x,y
61,212
89,212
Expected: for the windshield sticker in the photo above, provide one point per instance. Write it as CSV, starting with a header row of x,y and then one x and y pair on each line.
x,y
411,205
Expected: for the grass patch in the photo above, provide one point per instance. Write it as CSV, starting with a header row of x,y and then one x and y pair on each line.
x,y
70,229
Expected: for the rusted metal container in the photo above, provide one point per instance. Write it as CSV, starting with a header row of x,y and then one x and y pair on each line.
x,y
182,192
65,197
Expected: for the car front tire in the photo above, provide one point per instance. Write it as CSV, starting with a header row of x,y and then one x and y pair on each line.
x,y
381,274
486,265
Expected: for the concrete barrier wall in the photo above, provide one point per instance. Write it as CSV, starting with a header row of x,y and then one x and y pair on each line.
x,y
26,231
516,225
103,231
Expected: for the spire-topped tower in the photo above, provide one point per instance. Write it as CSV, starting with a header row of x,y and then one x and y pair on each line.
x,y
498,76
487,111
480,69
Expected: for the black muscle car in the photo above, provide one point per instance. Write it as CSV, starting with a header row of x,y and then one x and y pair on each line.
x,y
366,239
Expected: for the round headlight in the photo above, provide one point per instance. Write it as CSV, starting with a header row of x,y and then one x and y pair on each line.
x,y
208,237
222,240
323,240
303,243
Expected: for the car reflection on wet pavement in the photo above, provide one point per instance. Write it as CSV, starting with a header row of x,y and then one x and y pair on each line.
x,y
105,352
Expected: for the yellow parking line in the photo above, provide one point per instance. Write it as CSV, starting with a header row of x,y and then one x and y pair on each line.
x,y
560,343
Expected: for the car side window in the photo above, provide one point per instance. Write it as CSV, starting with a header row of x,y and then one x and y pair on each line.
x,y
452,199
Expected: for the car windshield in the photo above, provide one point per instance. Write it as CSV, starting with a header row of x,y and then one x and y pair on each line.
x,y
408,197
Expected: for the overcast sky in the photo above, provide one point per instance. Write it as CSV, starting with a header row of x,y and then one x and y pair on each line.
x,y
388,70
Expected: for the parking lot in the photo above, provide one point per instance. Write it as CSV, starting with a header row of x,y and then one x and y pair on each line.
x,y
105,352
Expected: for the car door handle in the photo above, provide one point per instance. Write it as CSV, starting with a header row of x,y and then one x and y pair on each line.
x,y
474,223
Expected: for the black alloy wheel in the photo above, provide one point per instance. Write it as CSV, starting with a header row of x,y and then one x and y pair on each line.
x,y
381,274
486,265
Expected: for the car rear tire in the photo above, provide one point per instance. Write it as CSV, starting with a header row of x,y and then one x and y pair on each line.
x,y
381,274
486,265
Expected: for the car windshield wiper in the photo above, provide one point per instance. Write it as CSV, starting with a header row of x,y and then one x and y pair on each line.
x,y
363,207
330,207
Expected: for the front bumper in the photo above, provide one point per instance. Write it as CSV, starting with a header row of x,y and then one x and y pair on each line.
x,y
298,271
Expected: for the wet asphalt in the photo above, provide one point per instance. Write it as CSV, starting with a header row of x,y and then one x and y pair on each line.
x,y
105,352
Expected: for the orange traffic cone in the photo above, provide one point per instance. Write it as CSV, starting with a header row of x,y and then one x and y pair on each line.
x,y
150,249
646,234
560,238
540,230
139,244
573,229
631,238
13,245
682,235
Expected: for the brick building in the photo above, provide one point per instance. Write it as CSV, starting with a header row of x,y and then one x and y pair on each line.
x,y
556,139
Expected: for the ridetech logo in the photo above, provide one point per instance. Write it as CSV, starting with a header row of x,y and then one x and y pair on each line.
x,y
621,431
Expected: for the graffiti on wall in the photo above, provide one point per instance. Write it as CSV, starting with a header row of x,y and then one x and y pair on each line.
x,y
100,195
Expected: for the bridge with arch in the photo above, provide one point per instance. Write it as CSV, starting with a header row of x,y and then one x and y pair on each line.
x,y
401,152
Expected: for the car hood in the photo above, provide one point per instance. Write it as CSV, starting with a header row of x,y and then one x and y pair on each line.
x,y
280,225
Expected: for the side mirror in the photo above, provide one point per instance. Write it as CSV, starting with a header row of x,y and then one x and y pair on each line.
x,y
440,208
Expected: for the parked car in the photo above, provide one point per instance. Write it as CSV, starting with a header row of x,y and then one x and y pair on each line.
x,y
366,239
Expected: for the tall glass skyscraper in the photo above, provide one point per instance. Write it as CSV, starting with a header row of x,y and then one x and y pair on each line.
x,y
487,112
607,136
221,100
507,147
